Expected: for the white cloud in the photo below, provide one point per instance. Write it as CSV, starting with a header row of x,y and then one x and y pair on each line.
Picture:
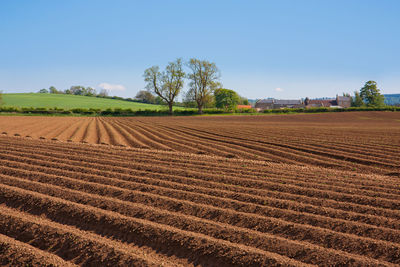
x,y
112,87
279,89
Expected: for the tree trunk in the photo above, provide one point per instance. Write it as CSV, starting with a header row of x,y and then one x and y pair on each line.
x,y
200,109
170,108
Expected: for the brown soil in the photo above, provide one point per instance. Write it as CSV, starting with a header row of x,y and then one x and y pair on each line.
x,y
290,190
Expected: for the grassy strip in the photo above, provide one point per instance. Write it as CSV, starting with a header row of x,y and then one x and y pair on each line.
x,y
28,100
180,112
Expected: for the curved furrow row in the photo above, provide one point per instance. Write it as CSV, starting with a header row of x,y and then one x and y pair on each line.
x,y
164,238
285,154
103,137
243,150
356,181
312,190
352,178
159,139
270,212
79,133
210,184
65,133
299,153
143,140
90,133
318,141
220,198
356,153
116,138
319,185
188,144
107,205
316,255
162,138
134,133
47,130
16,253
72,245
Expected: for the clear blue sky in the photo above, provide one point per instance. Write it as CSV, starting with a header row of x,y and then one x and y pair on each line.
x,y
282,49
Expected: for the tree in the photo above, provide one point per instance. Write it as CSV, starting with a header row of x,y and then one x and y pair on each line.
x,y
75,90
89,91
53,90
81,90
190,102
371,95
159,101
167,84
226,98
307,101
244,101
145,97
1,98
103,93
203,81
357,101
43,91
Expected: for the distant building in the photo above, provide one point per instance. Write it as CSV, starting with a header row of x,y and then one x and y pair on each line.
x,y
343,101
278,104
339,102
243,106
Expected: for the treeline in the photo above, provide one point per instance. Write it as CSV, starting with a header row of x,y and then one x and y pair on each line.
x,y
115,111
221,98
74,90
180,112
85,91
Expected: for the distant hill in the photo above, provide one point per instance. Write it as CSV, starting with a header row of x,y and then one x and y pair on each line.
x,y
38,100
392,99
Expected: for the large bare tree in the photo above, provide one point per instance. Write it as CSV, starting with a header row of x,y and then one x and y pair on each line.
x,y
167,84
203,81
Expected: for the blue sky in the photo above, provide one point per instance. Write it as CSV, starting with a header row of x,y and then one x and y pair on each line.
x,y
282,49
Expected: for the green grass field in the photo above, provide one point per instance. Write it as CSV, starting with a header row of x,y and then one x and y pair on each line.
x,y
35,100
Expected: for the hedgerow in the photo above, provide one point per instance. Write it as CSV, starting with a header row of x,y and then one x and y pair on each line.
x,y
180,112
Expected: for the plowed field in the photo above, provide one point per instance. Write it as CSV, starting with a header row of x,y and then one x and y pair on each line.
x,y
209,191
360,141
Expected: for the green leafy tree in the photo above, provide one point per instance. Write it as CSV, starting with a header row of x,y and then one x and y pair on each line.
x,y
167,84
53,90
159,101
75,90
357,101
145,97
190,102
43,91
226,98
1,98
203,81
81,90
89,91
371,95
244,101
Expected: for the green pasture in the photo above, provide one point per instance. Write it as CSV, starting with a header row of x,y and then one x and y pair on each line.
x,y
36,100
